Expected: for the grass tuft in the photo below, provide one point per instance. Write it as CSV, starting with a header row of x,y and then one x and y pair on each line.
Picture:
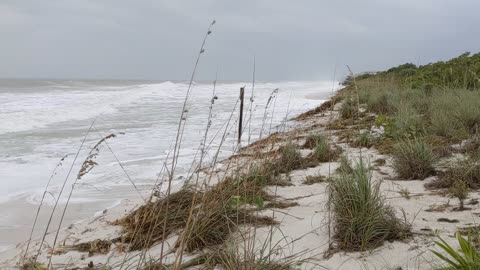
x,y
290,158
322,150
466,170
413,159
314,179
31,265
349,108
362,219
345,165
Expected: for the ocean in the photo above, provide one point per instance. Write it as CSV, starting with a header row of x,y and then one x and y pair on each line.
x,y
42,121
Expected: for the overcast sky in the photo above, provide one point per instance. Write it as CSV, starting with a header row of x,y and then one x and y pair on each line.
x,y
291,40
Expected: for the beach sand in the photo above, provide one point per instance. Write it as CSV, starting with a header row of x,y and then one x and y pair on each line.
x,y
304,228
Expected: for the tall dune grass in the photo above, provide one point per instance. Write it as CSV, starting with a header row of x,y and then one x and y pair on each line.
x,y
361,217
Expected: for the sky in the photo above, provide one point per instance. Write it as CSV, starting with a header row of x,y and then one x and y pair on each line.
x,y
290,40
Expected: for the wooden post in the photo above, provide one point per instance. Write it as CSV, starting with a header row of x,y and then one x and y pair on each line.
x,y
240,122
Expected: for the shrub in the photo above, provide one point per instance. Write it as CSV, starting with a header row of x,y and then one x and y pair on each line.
x,y
413,159
467,258
362,219
349,108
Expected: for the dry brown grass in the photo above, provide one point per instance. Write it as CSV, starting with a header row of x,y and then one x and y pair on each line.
x,y
93,247
314,179
31,265
217,212
466,170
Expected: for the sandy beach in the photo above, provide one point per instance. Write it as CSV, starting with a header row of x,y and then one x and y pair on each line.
x,y
303,228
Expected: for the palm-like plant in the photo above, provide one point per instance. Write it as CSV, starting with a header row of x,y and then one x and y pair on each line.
x,y
467,258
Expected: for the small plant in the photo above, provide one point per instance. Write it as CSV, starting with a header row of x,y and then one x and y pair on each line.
x,y
311,140
349,108
313,179
362,219
387,124
364,139
404,192
345,166
413,159
290,158
459,190
322,150
380,162
32,265
467,258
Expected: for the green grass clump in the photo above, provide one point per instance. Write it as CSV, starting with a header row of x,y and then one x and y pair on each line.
x,y
290,158
31,265
406,122
234,256
455,113
322,150
364,139
459,190
413,159
362,219
467,258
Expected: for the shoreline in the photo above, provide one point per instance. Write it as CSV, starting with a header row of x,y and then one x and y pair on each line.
x,y
121,206
300,208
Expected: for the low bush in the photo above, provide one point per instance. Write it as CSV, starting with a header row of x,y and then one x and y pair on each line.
x,y
349,108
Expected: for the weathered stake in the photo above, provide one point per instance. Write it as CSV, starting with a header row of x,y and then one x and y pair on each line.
x,y
240,122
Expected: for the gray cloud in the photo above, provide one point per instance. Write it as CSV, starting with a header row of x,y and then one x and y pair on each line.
x,y
291,40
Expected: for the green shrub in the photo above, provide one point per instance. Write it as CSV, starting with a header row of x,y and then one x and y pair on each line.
x,y
413,159
361,217
467,258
